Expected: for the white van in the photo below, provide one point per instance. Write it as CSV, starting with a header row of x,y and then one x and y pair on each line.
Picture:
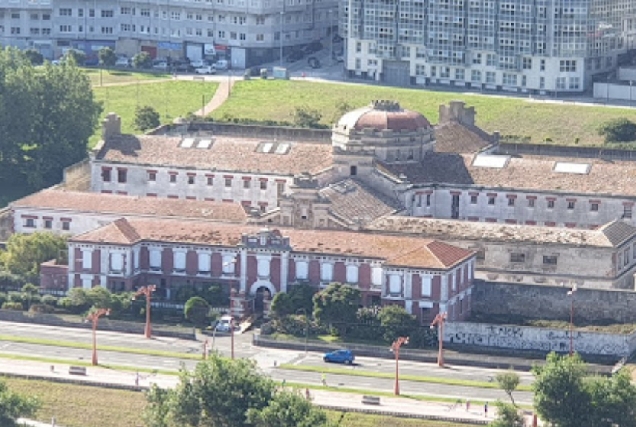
x,y
224,324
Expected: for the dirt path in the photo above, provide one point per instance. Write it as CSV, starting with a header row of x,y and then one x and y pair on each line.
x,y
220,96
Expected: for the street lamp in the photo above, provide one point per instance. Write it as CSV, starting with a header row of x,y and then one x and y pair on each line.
x,y
395,348
571,293
147,292
439,321
94,318
282,15
304,311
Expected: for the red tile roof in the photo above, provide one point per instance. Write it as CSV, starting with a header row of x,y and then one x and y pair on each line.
x,y
398,251
58,199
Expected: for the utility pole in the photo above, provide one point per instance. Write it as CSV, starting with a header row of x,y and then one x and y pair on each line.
x,y
147,292
94,318
395,348
439,321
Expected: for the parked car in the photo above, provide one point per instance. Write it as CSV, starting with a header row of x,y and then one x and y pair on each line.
x,y
207,69
160,66
225,323
222,64
199,63
122,62
340,356
295,55
182,67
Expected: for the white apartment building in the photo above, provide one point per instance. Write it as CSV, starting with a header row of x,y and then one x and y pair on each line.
x,y
538,46
248,32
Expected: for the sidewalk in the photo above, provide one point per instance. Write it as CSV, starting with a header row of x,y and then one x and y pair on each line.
x,y
391,406
220,96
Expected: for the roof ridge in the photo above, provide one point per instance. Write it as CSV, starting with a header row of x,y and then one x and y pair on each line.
x,y
127,230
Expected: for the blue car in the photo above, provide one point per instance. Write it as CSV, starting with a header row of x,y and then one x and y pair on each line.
x,y
339,356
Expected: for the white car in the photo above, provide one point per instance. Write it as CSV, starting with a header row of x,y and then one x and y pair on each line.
x,y
222,64
161,66
122,62
208,69
198,63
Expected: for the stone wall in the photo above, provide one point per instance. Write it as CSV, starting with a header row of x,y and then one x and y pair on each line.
x,y
565,151
77,177
551,302
538,339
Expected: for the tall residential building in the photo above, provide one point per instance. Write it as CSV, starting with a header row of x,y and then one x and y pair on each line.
x,y
537,46
248,32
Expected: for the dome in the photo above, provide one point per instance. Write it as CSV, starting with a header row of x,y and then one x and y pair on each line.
x,y
384,115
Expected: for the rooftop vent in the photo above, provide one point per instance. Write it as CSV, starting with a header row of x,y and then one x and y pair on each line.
x,y
576,168
491,161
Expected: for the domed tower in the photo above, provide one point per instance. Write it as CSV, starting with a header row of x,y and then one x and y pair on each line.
x,y
383,131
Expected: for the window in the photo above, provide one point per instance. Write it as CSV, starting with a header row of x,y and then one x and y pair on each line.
x,y
64,12
302,270
155,259
531,203
173,177
491,200
263,185
29,223
376,276
594,207
627,211
549,260
428,200
191,179
353,170
66,225
575,83
352,274
570,205
517,257
511,201
550,204
229,263
87,260
106,172
477,58
490,77
567,66
473,199
475,76
179,261
247,183
526,63
204,263
66,28
260,37
116,262
107,13
326,272
124,11
228,182
426,286
263,268
395,284
152,176
48,224
210,180
46,17
561,83
107,30
459,74
121,175
542,65
490,60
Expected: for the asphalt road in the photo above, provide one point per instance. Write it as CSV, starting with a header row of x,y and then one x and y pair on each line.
x,y
269,360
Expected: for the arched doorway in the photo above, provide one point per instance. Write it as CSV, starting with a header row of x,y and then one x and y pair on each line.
x,y
261,295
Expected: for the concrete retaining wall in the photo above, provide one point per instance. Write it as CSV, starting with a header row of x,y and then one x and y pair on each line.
x,y
538,339
104,324
565,151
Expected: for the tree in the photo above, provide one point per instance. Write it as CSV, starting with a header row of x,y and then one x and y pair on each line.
x,y
306,117
30,291
75,56
146,118
219,392
34,56
14,406
196,310
157,410
107,57
560,396
337,303
508,382
142,60
613,400
287,409
298,297
396,322
507,416
25,253
618,130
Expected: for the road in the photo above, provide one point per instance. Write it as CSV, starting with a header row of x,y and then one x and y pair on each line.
x,y
268,360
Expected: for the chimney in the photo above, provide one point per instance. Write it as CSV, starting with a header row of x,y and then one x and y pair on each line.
x,y
111,126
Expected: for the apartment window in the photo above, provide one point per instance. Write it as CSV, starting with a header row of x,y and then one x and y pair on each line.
x,y
46,17
16,30
490,77
260,20
571,205
511,201
34,17
358,47
106,174
541,82
145,12
627,211
66,225
247,183
124,11
542,65
433,71
473,199
173,177
191,179
302,270
175,16
107,30
91,13
491,200
561,83
567,66
210,180
108,13
477,59
242,36
428,200
63,12
326,272
263,185
444,72
509,79
549,260
221,34
475,76
260,37
152,176
550,204
491,60
228,182
29,223
122,175
66,28
179,262
575,83
526,63
594,207
517,257
352,274
531,203
459,74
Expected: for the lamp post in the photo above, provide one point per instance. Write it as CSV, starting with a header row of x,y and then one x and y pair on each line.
x,y
439,321
147,292
395,348
94,318
302,310
571,293
282,15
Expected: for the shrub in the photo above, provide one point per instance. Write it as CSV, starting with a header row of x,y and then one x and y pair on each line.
x,y
146,118
618,130
196,310
142,60
3,298
17,306
50,300
16,297
41,308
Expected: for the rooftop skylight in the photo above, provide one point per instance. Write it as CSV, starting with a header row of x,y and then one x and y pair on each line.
x,y
273,147
491,161
577,168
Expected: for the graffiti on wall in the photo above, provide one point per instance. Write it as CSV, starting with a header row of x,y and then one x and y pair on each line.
x,y
537,339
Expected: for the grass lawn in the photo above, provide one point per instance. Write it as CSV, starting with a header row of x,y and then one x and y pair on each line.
x,y
276,100
121,76
82,406
171,99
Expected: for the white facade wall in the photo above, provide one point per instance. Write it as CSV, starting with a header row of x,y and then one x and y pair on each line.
x,y
138,184
521,212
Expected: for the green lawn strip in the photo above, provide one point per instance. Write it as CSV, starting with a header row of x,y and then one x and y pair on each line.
x,y
106,76
563,123
407,377
171,99
86,346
